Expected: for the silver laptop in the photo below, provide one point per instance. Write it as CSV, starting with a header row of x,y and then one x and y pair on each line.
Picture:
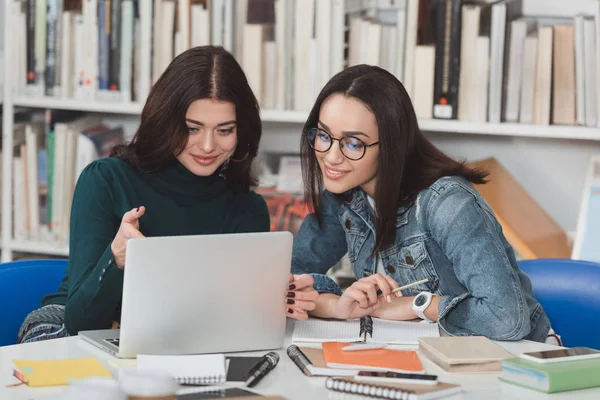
x,y
201,294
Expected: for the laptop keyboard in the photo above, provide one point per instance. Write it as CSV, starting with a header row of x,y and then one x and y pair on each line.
x,y
114,341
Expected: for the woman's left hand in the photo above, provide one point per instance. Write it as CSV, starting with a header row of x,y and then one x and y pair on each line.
x,y
300,297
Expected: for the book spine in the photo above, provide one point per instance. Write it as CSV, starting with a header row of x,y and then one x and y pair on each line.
x,y
31,76
103,44
51,41
115,46
447,60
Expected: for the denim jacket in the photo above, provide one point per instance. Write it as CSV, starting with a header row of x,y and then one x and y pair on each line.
x,y
449,235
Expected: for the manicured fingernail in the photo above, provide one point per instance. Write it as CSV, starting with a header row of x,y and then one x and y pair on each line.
x,y
290,310
290,301
291,294
292,287
389,298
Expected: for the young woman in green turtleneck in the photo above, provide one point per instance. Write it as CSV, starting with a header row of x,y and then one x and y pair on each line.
x,y
186,172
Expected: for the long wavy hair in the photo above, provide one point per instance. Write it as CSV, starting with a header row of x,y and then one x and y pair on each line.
x,y
205,72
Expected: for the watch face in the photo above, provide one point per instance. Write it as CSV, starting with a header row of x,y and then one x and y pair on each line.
x,y
420,300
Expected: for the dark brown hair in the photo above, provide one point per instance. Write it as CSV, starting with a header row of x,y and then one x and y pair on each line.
x,y
408,161
205,72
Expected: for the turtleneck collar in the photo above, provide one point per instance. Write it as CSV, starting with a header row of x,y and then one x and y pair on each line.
x,y
174,179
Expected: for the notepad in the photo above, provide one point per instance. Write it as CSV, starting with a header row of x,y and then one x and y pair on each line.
x,y
384,331
187,369
403,361
58,372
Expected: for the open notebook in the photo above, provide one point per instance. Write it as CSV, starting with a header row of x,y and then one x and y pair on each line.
x,y
187,369
383,331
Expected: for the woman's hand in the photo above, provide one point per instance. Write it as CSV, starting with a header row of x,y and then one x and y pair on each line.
x,y
130,228
301,296
361,298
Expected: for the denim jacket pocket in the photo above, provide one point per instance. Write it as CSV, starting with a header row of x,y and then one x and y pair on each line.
x,y
413,265
411,256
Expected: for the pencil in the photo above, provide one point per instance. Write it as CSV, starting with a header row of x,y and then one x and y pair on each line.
x,y
409,285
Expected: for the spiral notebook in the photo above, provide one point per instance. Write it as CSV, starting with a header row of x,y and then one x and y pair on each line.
x,y
187,369
392,390
365,329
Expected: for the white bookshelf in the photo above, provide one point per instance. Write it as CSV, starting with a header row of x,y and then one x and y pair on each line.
x,y
287,139
39,248
299,118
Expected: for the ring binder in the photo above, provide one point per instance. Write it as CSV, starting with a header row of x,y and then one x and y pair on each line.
x,y
390,390
366,327
382,392
200,380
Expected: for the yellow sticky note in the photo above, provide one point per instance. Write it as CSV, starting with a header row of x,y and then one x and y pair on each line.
x,y
59,372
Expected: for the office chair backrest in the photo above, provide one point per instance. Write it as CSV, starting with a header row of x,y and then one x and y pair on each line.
x,y
569,292
22,286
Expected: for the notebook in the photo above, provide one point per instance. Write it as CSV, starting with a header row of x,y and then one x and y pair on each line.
x,y
552,377
371,360
366,329
464,354
312,362
187,369
392,390
57,372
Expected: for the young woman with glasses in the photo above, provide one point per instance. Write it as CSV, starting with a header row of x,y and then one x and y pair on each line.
x,y
404,212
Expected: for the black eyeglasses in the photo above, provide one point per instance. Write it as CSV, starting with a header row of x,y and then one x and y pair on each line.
x,y
351,147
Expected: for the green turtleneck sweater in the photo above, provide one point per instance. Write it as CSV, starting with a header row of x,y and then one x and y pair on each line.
x,y
177,203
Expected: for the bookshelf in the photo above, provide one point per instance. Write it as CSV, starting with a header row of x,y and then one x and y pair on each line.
x,y
281,126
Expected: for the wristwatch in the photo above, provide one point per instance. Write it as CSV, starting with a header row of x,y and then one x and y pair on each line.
x,y
420,304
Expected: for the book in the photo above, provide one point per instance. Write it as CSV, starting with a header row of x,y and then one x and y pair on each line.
x,y
464,354
357,330
212,392
552,377
403,361
187,369
57,372
392,390
311,362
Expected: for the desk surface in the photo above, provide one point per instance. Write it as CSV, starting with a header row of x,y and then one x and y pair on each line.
x,y
285,380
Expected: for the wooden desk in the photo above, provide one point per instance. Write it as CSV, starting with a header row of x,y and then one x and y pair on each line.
x,y
286,379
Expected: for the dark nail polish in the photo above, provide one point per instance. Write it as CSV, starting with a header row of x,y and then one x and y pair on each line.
x,y
292,287
137,209
290,301
291,294
290,310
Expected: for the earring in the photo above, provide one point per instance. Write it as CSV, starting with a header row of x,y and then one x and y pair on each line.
x,y
244,158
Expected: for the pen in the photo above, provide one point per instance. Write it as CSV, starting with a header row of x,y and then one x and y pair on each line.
x,y
263,367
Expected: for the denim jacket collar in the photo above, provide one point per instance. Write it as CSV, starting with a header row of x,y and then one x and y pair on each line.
x,y
357,201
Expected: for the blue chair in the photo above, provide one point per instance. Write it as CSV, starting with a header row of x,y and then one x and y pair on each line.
x,y
569,292
22,286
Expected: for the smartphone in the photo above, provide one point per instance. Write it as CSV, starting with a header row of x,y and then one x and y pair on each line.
x,y
397,377
561,355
